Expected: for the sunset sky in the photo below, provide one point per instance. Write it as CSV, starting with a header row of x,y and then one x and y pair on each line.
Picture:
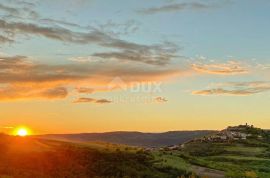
x,y
71,66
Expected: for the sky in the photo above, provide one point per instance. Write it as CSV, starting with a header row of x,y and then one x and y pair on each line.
x,y
72,66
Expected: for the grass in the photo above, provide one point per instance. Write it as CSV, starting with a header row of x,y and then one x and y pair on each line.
x,y
237,161
242,148
100,146
247,159
236,158
170,159
63,159
109,147
246,151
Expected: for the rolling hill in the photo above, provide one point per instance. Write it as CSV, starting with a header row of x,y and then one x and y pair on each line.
x,y
132,138
40,158
236,152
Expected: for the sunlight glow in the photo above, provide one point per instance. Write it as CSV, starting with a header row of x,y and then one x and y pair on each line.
x,y
22,132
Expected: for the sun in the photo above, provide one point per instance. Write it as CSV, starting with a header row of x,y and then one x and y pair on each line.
x,y
22,131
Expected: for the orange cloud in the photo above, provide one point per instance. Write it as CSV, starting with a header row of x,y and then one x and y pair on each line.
x,y
23,79
161,99
20,92
92,100
236,89
85,90
229,68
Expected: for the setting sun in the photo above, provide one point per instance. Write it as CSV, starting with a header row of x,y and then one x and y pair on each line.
x,y
22,132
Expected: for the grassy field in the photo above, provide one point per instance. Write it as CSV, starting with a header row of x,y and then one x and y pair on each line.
x,y
172,159
47,158
234,160
41,158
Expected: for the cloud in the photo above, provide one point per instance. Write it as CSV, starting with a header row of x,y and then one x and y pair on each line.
x,y
22,78
55,33
159,53
92,100
147,57
7,127
30,3
59,92
85,90
175,7
4,39
103,101
9,93
50,21
161,99
22,19
125,28
9,10
229,68
236,89
20,70
23,11
84,100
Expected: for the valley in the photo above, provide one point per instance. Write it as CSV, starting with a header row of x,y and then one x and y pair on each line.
x,y
200,157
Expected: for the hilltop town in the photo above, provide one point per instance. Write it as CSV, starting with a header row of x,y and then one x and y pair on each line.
x,y
234,133
237,151
229,135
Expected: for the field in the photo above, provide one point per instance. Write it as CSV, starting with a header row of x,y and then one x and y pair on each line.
x,y
39,158
219,160
43,158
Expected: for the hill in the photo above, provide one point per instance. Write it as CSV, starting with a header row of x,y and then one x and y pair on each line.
x,y
39,158
237,152
132,138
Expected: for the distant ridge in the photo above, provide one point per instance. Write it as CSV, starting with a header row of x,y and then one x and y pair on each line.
x,y
133,138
